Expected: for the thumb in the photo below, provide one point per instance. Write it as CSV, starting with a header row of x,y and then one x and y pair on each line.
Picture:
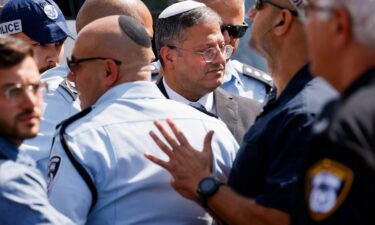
x,y
207,142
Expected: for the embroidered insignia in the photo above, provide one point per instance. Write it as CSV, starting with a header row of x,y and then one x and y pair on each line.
x,y
50,11
327,185
53,167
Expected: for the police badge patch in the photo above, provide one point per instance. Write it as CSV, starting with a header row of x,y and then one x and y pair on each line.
x,y
50,11
327,185
53,167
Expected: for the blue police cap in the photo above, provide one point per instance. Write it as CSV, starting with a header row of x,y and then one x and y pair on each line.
x,y
41,20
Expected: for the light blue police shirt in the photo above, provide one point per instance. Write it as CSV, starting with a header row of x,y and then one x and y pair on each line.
x,y
58,105
246,81
23,197
110,143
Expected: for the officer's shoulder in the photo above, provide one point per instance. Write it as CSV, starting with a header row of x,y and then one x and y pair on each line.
x,y
253,72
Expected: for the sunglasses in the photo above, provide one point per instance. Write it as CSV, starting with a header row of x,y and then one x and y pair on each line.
x,y
259,5
73,62
235,31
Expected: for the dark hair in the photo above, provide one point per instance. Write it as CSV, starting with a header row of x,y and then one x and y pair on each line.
x,y
13,51
171,30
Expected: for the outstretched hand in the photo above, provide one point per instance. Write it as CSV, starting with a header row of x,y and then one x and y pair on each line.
x,y
186,164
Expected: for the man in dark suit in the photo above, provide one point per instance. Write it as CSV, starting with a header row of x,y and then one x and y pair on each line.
x,y
193,54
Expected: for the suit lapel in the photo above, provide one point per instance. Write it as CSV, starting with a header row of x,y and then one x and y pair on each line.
x,y
226,108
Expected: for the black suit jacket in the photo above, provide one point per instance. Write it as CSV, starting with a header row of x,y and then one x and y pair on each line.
x,y
237,112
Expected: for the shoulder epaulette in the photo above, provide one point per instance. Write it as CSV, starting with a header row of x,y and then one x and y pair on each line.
x,y
69,89
258,74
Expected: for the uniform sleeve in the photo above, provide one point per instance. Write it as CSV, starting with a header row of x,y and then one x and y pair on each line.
x,y
224,147
285,161
23,198
67,191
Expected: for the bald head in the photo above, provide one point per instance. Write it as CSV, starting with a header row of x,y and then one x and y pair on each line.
x,y
117,50
119,37
227,8
95,9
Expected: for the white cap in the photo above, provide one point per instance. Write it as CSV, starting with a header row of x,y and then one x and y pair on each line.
x,y
180,7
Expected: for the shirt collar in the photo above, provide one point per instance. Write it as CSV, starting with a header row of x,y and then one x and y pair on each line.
x,y
131,90
231,73
295,85
367,78
207,100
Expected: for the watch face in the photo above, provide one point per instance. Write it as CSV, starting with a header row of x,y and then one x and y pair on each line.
x,y
207,185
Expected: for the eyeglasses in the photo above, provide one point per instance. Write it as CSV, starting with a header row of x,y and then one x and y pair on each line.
x,y
235,31
16,91
73,62
308,7
210,54
259,5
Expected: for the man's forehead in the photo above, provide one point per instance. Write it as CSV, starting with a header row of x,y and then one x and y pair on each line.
x,y
20,73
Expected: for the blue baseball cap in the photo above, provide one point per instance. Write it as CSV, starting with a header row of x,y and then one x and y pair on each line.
x,y
41,20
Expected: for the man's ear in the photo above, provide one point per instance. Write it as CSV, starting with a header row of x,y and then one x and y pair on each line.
x,y
283,23
112,72
341,27
169,56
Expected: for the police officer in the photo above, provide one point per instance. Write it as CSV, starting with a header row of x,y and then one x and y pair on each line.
x,y
339,178
98,172
39,23
61,100
23,198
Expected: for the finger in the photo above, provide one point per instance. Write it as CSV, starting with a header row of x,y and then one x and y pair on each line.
x,y
161,144
166,135
178,133
157,161
207,142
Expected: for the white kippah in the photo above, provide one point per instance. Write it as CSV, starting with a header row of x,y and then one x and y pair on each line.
x,y
180,7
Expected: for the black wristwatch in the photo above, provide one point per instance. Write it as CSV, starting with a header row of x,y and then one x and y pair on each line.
x,y
207,187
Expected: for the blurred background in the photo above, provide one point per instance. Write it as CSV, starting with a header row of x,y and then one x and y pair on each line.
x,y
244,54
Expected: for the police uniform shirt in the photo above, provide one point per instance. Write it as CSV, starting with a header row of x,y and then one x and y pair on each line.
x,y
59,103
246,81
267,164
110,143
23,198
338,186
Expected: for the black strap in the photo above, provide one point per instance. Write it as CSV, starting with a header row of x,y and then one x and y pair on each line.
x,y
81,170
162,90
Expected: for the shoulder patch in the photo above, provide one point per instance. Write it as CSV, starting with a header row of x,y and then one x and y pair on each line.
x,y
326,187
257,74
53,167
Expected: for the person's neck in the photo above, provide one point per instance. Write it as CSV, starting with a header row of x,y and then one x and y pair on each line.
x,y
191,95
354,63
283,69
16,142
